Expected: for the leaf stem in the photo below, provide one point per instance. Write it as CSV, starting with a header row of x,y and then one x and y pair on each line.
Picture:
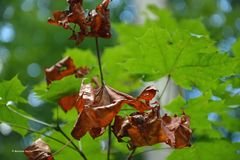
x,y
30,118
37,132
58,129
61,149
99,61
165,87
130,156
109,141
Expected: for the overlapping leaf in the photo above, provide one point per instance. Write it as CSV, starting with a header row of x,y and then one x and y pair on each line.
x,y
101,105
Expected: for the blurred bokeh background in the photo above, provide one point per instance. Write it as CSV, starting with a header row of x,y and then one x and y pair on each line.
x,y
28,44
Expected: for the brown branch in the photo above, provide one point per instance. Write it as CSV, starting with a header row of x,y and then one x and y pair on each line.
x,y
99,61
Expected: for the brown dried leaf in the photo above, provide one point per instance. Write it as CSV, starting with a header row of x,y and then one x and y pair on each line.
x,y
39,150
61,69
142,102
68,102
60,19
146,129
180,132
99,21
81,72
99,108
101,105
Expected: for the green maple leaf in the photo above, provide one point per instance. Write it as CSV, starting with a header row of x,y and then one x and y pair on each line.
x,y
190,60
164,47
13,118
208,150
11,91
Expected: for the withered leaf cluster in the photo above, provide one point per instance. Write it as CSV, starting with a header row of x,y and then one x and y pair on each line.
x,y
98,106
101,105
95,23
39,150
148,128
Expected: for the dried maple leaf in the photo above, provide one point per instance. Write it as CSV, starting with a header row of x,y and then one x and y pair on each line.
x,y
180,133
61,69
145,129
95,24
99,21
68,102
141,103
39,150
101,105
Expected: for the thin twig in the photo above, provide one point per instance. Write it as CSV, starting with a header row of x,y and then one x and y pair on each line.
x,y
165,87
58,129
99,61
61,149
130,156
37,132
109,141
30,118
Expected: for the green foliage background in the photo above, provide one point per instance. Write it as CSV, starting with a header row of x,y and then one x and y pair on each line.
x,y
185,49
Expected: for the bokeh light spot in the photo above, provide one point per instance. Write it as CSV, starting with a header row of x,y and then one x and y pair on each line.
x,y
5,129
34,70
34,100
127,16
9,12
217,20
7,33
